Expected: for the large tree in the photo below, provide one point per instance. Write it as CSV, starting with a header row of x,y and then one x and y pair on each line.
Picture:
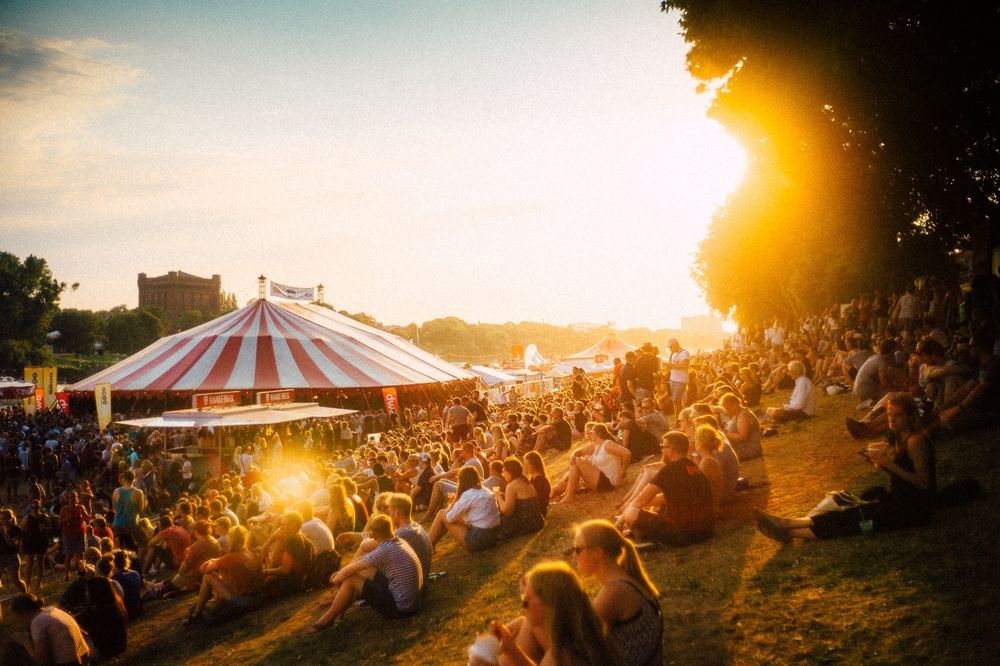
x,y
29,296
872,142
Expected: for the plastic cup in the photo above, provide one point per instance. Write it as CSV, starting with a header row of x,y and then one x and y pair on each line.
x,y
867,527
484,650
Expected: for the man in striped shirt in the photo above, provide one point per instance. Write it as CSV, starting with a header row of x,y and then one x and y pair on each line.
x,y
389,577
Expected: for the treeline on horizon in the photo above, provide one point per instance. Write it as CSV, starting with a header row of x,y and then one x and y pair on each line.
x,y
30,315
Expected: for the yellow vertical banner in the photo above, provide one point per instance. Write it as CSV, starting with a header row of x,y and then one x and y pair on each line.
x,y
102,396
49,386
33,375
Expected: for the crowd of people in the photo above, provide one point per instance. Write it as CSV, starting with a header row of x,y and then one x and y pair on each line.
x,y
127,518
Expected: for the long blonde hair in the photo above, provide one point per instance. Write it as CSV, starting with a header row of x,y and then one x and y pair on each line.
x,y
604,536
573,626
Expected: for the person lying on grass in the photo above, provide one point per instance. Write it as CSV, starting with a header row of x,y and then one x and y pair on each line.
x,y
389,578
599,465
908,458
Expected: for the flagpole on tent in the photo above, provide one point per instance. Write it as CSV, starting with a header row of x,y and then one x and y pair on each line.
x,y
261,287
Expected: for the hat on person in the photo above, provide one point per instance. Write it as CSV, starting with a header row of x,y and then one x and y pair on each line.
x,y
425,456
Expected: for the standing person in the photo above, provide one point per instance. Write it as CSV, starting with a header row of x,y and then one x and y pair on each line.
x,y
628,602
457,421
35,541
10,540
73,519
55,637
626,382
647,365
678,363
129,502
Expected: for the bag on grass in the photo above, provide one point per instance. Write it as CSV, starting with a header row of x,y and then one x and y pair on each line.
x,y
323,566
838,500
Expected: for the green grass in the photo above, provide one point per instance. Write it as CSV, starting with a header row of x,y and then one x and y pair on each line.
x,y
926,595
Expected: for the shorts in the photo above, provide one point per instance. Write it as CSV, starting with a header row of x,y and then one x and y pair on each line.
x,y
35,546
9,562
459,433
73,544
650,526
376,592
604,484
481,538
677,391
447,486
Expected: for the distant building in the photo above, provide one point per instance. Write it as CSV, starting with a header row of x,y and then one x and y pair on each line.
x,y
177,292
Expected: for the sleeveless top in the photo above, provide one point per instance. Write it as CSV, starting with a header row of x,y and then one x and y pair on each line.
x,y
751,448
609,464
914,504
126,509
526,519
640,639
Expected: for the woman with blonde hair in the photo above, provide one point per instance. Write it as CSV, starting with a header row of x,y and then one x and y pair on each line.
x,y
627,601
501,445
340,516
707,443
554,603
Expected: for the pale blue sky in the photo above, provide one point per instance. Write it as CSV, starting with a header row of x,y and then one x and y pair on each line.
x,y
494,161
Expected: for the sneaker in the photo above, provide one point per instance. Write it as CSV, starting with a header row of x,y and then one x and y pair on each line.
x,y
769,527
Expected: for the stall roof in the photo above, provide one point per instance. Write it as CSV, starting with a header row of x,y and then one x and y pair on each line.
x,y
238,416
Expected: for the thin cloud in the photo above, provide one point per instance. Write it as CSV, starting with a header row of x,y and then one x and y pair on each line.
x,y
50,91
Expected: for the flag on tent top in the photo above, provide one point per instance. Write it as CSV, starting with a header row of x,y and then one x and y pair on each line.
x,y
293,293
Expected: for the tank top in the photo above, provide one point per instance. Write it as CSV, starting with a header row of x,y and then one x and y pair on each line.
x,y
126,509
608,463
640,639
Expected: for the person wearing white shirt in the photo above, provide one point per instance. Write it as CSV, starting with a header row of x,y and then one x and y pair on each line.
x,y
802,404
474,518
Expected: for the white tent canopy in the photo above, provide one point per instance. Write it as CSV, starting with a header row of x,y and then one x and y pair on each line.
x,y
247,415
492,376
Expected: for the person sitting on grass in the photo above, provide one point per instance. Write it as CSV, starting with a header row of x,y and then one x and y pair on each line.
x,y
54,637
188,576
520,510
538,476
389,578
802,404
291,557
559,626
600,464
556,434
627,601
167,546
230,578
104,618
742,428
908,459
685,512
473,518
130,582
445,484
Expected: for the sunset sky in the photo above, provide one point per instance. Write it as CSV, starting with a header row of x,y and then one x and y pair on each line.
x,y
544,161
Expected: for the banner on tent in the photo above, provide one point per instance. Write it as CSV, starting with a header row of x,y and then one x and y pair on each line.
x,y
49,386
62,401
391,401
275,397
33,375
293,293
102,396
221,399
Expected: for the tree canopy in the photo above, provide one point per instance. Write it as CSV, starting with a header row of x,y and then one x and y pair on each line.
x,y
871,139
29,296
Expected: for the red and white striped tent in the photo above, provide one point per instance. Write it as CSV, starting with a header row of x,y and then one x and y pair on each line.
x,y
275,345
